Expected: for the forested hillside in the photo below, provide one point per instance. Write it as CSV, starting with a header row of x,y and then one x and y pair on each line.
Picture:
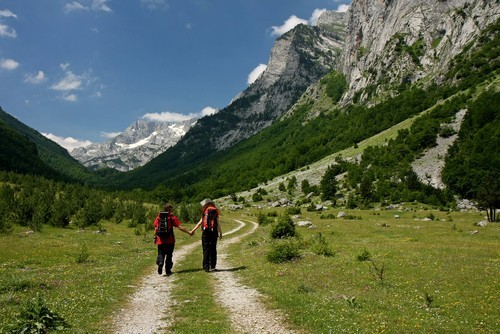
x,y
53,156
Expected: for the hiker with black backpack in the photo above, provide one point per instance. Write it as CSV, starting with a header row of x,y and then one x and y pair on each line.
x,y
164,237
211,230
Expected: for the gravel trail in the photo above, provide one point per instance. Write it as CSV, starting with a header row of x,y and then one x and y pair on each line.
x,y
246,311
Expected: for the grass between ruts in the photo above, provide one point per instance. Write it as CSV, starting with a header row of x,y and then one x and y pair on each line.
x,y
195,309
439,276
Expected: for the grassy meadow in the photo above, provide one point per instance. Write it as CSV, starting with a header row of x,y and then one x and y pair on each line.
x,y
382,274
373,273
82,275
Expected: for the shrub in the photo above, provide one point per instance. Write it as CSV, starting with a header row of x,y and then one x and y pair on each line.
x,y
365,256
35,317
283,251
293,210
83,255
263,220
284,228
320,246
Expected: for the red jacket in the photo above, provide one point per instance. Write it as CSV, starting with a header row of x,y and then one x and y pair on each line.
x,y
170,239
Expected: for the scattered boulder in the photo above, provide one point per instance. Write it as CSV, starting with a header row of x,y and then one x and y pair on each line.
x,y
304,223
319,207
235,207
341,214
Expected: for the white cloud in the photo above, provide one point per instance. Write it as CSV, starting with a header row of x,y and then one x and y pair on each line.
x,y
101,5
315,16
343,8
9,64
74,6
208,111
6,31
7,13
94,5
288,25
255,74
72,82
293,20
70,97
35,78
168,116
69,82
109,135
154,4
68,143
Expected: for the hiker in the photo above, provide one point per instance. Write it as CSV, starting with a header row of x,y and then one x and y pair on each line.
x,y
165,239
210,231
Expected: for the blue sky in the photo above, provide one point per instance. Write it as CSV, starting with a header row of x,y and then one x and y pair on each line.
x,y
84,70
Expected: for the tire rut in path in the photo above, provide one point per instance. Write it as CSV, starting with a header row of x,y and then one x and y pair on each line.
x,y
247,313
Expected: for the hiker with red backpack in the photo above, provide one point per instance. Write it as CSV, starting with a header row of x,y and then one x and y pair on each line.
x,y
210,232
164,225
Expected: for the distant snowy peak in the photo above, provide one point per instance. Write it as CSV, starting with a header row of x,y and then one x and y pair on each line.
x,y
134,147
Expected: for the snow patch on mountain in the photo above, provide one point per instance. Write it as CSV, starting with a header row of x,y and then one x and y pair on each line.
x,y
139,143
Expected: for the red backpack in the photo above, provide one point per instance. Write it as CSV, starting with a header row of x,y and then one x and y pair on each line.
x,y
210,219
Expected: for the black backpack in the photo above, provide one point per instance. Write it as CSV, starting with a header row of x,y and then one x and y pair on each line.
x,y
165,224
210,220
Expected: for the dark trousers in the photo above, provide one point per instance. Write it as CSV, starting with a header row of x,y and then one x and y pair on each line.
x,y
165,252
209,244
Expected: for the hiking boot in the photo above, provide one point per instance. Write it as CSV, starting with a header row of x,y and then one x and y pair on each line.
x,y
168,272
160,269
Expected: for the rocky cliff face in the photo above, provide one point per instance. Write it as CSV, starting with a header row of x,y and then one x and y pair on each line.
x,y
393,42
138,144
298,59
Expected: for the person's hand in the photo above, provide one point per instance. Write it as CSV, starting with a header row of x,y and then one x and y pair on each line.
x,y
220,236
191,233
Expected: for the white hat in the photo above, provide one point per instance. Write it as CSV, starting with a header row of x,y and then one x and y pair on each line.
x,y
206,201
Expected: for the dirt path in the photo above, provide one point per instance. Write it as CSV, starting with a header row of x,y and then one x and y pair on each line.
x,y
246,311
144,311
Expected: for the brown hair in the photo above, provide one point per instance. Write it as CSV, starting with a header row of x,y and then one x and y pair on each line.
x,y
167,207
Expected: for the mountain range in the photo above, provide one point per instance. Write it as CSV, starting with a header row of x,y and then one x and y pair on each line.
x,y
326,87
134,147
